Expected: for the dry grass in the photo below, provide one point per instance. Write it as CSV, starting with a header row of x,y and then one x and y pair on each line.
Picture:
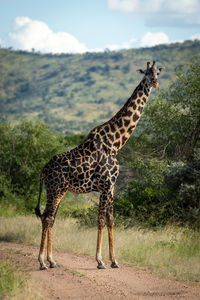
x,y
171,252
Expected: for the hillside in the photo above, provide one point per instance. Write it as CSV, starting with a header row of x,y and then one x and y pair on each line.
x,y
73,93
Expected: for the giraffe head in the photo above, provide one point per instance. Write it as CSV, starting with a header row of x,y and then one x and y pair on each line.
x,y
151,74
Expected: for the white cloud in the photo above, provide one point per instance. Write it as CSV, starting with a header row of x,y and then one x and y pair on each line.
x,y
149,39
195,36
134,6
28,34
126,45
125,5
147,6
184,6
161,12
152,39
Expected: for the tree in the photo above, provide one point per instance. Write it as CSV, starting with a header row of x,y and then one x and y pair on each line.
x,y
174,116
24,150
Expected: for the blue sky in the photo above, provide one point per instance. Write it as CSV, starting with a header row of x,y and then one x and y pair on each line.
x,y
78,26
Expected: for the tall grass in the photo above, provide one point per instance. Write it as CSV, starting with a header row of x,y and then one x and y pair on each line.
x,y
9,211
11,280
14,283
172,252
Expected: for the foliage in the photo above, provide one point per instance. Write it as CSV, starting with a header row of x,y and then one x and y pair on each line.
x,y
183,192
173,117
74,93
88,218
158,194
73,140
24,150
160,164
144,194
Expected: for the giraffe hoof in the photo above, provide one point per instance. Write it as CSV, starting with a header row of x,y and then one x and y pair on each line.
x,y
43,267
114,265
101,266
54,266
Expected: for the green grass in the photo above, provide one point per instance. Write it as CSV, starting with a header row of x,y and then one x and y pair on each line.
x,y
11,281
15,284
171,252
8,211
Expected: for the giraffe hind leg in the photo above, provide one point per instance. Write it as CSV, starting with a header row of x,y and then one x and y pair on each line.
x,y
114,263
52,263
48,219
101,220
43,247
110,225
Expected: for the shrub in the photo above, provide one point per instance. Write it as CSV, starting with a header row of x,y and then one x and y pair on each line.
x,y
159,194
24,150
183,185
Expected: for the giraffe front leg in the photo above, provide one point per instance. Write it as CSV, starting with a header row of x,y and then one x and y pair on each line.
x,y
101,218
110,225
100,265
48,218
43,247
114,263
49,248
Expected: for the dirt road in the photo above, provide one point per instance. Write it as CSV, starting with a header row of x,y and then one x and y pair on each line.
x,y
78,278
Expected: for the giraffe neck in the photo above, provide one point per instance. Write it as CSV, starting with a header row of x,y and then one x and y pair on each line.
x,y
112,135
125,121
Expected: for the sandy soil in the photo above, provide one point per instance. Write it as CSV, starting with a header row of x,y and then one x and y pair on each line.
x,y
78,278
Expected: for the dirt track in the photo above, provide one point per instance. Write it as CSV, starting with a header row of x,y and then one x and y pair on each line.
x,y
78,278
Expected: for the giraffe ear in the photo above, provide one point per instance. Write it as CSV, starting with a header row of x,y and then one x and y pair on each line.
x,y
140,71
160,69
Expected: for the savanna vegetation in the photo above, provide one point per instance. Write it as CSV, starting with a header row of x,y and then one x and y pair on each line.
x,y
74,93
12,281
157,197
171,251
160,162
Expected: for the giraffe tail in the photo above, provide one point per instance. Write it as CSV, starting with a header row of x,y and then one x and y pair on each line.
x,y
37,209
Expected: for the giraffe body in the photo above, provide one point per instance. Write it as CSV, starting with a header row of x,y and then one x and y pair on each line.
x,y
93,166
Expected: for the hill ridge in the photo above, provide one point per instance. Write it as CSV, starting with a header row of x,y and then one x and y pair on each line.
x,y
75,92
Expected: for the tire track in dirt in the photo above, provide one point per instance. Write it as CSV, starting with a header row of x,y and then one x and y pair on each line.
x,y
78,278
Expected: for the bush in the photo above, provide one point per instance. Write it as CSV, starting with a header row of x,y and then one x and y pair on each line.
x,y
159,194
24,150
173,116
88,217
183,192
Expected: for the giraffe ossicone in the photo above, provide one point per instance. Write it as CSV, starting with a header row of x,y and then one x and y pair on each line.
x,y
93,166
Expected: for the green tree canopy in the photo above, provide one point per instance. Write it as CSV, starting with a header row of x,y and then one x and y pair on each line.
x,y
24,150
173,118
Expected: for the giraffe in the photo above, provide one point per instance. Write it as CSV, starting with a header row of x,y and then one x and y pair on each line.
x,y
93,166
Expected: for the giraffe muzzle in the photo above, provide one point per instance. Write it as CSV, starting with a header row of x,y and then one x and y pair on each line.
x,y
156,84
